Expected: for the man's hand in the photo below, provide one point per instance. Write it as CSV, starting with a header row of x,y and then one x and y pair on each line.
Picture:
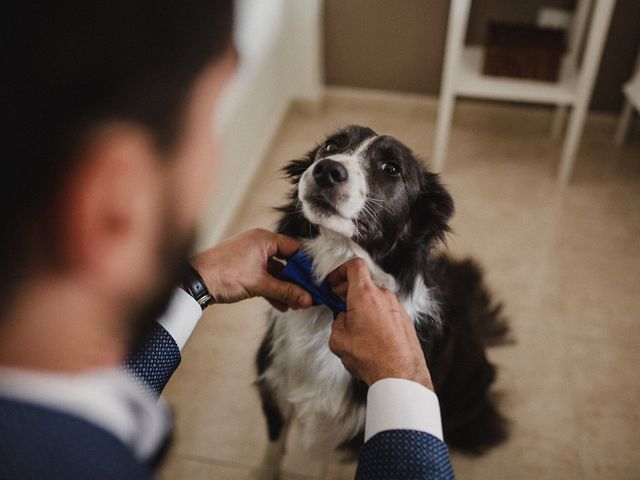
x,y
244,267
375,338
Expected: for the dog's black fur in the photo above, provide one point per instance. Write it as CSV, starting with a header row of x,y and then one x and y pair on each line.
x,y
414,219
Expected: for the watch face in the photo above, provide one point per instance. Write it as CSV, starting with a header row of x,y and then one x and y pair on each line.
x,y
205,300
195,286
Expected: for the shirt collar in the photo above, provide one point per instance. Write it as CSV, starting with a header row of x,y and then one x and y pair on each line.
x,y
108,398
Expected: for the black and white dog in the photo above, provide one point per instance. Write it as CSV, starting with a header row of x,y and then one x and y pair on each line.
x,y
366,195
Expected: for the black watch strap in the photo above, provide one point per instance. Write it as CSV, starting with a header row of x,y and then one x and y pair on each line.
x,y
194,285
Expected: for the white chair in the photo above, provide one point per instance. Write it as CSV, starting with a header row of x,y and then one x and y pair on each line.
x,y
462,77
631,91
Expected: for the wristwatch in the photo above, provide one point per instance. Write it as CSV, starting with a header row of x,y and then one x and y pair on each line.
x,y
194,285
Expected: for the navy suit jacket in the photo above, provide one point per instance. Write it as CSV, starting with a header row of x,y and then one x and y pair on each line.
x,y
38,443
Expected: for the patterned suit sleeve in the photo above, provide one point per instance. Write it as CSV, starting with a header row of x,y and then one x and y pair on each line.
x,y
406,455
155,361
158,358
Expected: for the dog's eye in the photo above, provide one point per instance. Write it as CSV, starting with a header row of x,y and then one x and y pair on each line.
x,y
391,168
331,147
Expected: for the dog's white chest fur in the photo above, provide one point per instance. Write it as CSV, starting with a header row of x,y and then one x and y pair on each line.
x,y
304,373
329,250
307,376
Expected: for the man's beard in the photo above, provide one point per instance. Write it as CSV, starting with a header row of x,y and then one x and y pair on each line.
x,y
173,254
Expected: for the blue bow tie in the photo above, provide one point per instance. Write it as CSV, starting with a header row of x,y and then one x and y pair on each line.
x,y
299,270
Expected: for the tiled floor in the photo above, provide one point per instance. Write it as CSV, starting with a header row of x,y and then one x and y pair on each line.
x,y
565,260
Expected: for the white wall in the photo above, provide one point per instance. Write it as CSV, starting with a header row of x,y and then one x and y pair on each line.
x,y
280,51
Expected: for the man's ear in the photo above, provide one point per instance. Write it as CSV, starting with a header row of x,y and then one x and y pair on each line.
x,y
431,211
106,215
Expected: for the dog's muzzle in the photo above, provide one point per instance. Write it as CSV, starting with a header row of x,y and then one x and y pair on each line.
x,y
328,173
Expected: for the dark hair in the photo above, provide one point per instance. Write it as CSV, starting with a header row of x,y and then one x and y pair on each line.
x,y
73,64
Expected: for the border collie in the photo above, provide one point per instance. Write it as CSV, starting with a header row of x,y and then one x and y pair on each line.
x,y
366,195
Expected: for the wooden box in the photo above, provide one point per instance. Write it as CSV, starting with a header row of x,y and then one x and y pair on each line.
x,y
523,51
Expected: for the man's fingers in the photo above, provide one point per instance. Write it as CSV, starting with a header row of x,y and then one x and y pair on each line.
x,y
339,343
341,289
338,335
338,276
358,274
339,321
390,296
284,246
274,267
355,270
284,292
278,306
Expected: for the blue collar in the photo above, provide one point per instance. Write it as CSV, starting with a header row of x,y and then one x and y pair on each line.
x,y
299,270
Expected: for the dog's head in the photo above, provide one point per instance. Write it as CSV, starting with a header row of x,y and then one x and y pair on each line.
x,y
370,188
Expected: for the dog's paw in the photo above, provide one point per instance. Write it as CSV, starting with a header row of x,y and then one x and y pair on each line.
x,y
266,472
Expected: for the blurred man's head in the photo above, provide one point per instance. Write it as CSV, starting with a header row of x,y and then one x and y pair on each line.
x,y
108,151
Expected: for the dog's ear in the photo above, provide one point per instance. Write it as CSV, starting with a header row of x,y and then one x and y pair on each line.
x,y
292,222
431,211
295,168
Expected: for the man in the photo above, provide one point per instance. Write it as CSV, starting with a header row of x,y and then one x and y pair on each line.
x,y
107,156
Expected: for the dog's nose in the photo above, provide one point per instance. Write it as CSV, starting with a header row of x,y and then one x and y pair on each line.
x,y
329,173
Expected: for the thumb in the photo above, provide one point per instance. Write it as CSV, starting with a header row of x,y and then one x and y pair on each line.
x,y
358,277
284,292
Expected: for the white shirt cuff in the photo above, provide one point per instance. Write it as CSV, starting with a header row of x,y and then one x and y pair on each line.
x,y
396,404
181,317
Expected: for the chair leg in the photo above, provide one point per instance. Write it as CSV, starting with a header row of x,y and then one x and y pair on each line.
x,y
570,147
558,121
443,127
623,124
456,29
597,34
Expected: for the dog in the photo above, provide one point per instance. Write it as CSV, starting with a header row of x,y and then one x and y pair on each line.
x,y
360,194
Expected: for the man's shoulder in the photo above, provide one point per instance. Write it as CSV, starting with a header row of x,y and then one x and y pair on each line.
x,y
40,442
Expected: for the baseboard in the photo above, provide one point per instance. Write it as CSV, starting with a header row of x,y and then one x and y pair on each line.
x,y
379,96
216,229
